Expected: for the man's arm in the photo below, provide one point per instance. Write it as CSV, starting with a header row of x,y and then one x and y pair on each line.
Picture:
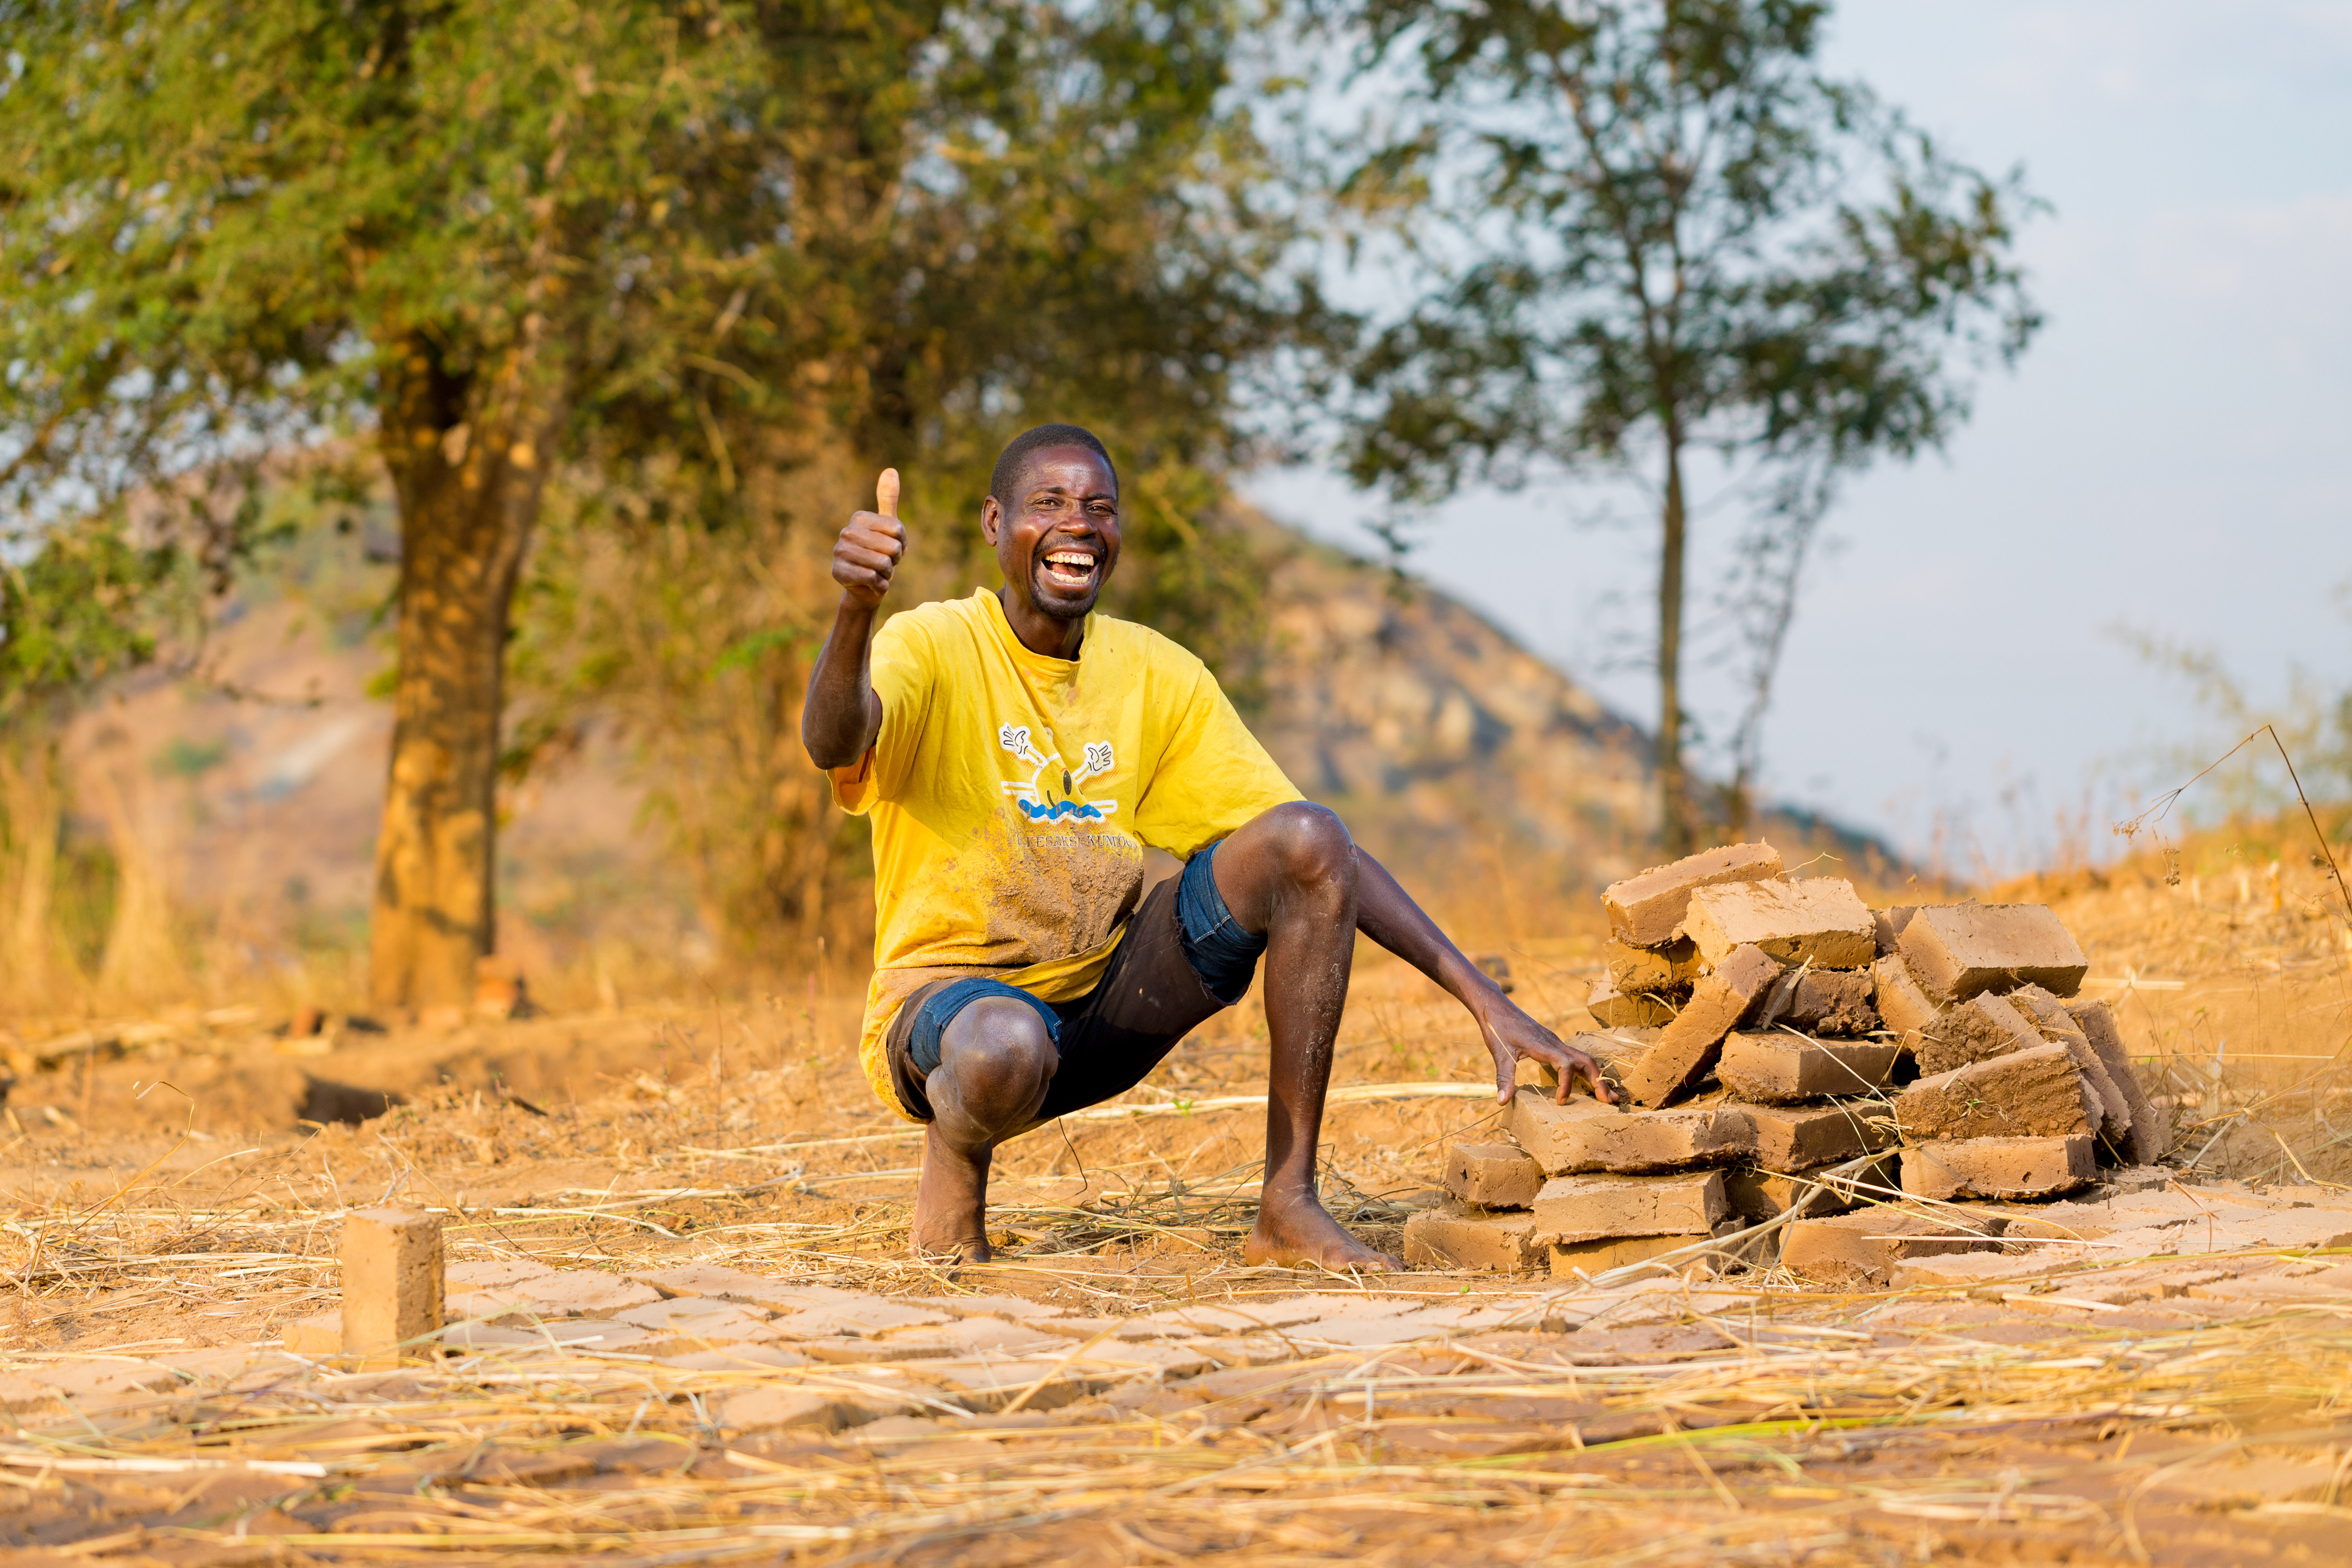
x,y
1386,913
843,716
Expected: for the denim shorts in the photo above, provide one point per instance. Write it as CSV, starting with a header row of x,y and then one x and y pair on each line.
x,y
1184,958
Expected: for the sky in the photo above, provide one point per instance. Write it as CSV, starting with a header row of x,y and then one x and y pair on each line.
x,y
2169,459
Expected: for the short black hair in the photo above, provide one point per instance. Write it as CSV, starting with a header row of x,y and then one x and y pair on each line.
x,y
1007,473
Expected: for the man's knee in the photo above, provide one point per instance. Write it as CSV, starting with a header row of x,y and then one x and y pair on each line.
x,y
998,1043
1310,844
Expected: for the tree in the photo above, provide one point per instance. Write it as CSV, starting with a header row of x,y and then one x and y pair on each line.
x,y
476,234
1666,232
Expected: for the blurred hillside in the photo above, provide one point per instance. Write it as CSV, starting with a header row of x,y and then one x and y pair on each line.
x,y
236,798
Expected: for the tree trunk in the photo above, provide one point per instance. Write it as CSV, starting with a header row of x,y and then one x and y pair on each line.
x,y
468,453
29,809
1674,825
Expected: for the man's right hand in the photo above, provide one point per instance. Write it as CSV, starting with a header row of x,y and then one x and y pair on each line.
x,y
871,547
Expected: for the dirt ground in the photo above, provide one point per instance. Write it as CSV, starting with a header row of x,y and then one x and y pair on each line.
x,y
675,1238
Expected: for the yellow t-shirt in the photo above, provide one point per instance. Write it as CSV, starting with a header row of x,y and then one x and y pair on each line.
x,y
1012,795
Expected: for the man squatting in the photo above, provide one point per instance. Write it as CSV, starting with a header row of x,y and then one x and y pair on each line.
x,y
1016,751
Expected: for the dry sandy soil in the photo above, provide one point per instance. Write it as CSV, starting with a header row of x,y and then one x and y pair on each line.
x,y
675,1237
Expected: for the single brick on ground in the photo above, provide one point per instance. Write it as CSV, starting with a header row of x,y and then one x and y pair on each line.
x,y
1591,1208
1463,1238
2003,1169
2035,1093
1628,1009
1959,950
1584,1135
2151,1128
1976,1030
1824,1002
392,1283
1822,921
1493,1175
1645,969
1863,1247
1647,911
1768,1067
1801,1137
1903,1004
1688,1048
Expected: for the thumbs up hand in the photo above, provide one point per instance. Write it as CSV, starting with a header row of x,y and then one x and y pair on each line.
x,y
870,548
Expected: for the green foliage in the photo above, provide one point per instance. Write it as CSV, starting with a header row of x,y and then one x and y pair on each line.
x,y
72,615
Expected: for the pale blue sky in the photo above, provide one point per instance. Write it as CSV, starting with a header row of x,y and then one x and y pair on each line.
x,y
2168,456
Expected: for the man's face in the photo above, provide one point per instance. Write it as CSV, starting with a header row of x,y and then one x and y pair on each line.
x,y
1057,536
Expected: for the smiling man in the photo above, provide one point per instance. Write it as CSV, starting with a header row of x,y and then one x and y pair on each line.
x,y
1016,752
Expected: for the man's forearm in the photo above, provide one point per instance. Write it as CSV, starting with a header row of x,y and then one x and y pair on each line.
x,y
843,715
1386,913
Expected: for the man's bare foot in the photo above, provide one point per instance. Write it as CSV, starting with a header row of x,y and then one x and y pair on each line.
x,y
1297,1232
950,1205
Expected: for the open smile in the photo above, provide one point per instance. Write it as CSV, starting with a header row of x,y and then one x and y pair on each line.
x,y
1071,566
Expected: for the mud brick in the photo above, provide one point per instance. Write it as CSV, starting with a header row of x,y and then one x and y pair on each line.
x,y
1628,1010
1890,924
1584,1135
1756,1195
2025,1094
1799,1138
1863,1247
2151,1128
1976,1030
1617,1052
1492,1175
1821,920
1772,1069
1457,1238
1824,1002
392,1284
1903,1004
1688,1048
1570,1259
2004,1169
320,1334
1572,1209
2049,1016
1642,969
1956,951
1647,911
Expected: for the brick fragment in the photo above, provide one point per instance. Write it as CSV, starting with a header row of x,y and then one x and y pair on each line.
x,y
2006,1170
1628,1010
1799,1138
1585,1135
2035,1093
392,1284
1647,911
1959,950
1976,1030
1824,1002
1821,920
1587,1208
1890,924
1461,1238
1647,969
1492,1175
2151,1128
1774,1068
1688,1048
1863,1247
1903,1004
1756,1195
1570,1259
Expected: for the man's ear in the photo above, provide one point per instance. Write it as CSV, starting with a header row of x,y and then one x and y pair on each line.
x,y
992,516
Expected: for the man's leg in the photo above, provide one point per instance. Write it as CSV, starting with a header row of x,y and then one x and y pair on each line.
x,y
995,1063
1290,876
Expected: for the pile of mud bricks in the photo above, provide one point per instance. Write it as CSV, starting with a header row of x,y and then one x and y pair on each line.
x,y
1775,1042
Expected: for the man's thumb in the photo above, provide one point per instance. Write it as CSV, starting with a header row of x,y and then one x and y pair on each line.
x,y
886,493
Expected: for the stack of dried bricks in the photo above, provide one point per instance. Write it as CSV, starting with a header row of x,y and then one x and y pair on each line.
x,y
1771,1041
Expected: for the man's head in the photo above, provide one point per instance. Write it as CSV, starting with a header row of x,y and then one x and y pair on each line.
x,y
1052,512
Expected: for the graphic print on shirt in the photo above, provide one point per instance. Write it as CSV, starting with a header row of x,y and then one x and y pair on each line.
x,y
1038,799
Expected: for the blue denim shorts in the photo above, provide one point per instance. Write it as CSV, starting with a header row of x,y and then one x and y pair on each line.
x,y
1184,959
